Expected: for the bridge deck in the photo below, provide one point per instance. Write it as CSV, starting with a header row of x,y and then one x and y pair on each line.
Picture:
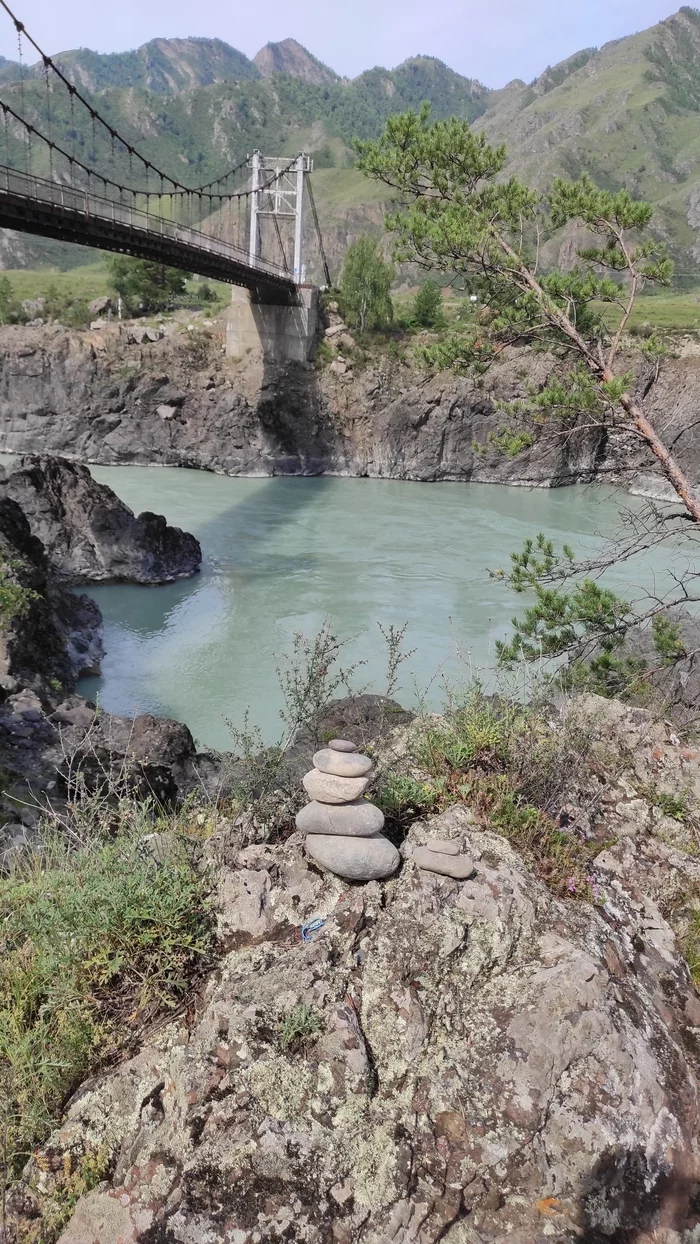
x,y
35,205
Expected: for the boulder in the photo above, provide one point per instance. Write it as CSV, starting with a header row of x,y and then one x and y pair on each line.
x,y
33,307
100,306
91,536
54,635
358,859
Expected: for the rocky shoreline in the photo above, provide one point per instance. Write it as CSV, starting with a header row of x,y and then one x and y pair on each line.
x,y
100,397
58,527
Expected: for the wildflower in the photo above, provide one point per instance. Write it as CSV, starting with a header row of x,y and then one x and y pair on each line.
x,y
571,885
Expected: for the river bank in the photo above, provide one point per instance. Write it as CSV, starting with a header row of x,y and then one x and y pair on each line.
x,y
103,397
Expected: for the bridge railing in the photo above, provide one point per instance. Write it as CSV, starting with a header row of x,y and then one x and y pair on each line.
x,y
87,204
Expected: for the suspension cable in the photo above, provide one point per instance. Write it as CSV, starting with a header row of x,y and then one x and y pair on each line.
x,y
312,201
279,239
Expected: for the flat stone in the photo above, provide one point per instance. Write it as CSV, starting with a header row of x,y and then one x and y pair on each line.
x,y
329,788
444,848
458,866
342,745
358,859
342,764
359,819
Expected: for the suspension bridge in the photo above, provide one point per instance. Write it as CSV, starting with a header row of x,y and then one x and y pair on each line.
x,y
68,173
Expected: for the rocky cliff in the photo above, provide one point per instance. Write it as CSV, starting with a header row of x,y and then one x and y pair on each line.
x,y
58,526
480,1061
98,397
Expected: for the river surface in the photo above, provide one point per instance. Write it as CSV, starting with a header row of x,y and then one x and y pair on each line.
x,y
280,555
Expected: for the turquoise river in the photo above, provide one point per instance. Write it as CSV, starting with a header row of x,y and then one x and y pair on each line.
x,y
280,555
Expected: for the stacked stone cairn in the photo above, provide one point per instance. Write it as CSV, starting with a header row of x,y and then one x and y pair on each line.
x,y
343,829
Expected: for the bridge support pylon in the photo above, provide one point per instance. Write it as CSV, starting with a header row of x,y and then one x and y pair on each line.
x,y
281,333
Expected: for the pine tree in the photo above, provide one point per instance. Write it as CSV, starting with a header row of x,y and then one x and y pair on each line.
x,y
427,306
458,214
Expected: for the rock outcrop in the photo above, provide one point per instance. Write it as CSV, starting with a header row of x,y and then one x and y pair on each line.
x,y
483,1062
95,397
48,635
89,534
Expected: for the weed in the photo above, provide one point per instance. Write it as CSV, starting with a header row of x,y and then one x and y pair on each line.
x,y
511,767
677,805
324,354
558,857
402,798
393,637
95,938
297,1028
78,1177
691,948
476,734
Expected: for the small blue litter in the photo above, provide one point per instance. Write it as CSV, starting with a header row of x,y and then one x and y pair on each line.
x,y
312,927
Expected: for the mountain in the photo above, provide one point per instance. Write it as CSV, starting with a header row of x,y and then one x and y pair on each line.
x,y
163,66
199,133
290,57
627,114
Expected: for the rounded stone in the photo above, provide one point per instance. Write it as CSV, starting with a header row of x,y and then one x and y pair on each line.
x,y
458,866
328,788
342,745
357,859
342,764
359,819
444,846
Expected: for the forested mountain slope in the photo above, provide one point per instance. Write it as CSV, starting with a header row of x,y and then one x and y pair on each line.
x,y
628,113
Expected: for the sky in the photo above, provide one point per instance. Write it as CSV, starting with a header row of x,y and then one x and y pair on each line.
x,y
494,42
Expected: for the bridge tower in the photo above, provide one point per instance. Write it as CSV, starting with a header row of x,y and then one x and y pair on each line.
x,y
277,194
282,332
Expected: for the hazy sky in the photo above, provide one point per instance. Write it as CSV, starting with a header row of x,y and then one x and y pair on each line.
x,y
494,42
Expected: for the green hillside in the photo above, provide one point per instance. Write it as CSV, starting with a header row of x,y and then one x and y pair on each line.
x,y
628,115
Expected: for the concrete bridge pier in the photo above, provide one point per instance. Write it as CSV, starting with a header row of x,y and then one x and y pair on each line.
x,y
282,333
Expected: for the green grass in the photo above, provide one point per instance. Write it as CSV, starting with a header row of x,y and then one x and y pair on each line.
x,y
666,313
94,940
90,281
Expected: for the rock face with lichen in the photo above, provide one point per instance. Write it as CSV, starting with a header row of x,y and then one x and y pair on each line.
x,y
479,1061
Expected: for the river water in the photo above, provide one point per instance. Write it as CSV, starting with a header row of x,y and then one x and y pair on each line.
x,y
280,555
